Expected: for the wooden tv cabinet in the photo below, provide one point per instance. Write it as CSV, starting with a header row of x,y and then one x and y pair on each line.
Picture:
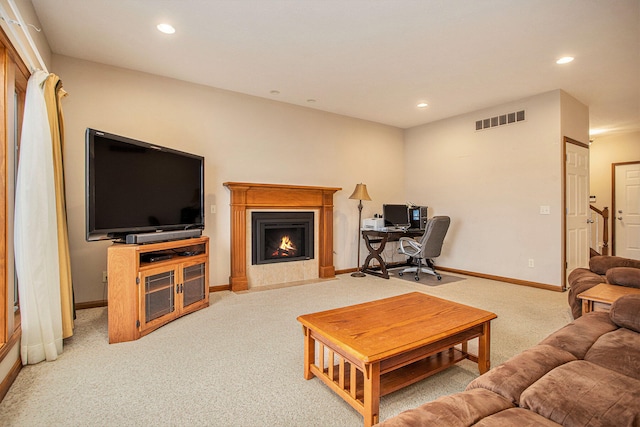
x,y
152,284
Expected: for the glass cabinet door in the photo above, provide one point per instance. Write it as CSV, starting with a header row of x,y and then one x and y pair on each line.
x,y
159,294
193,279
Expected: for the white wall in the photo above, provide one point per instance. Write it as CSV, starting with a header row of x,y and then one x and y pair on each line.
x,y
603,152
574,119
242,138
492,183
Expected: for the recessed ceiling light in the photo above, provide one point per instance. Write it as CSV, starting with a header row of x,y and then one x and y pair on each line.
x,y
311,100
166,28
422,105
275,92
564,60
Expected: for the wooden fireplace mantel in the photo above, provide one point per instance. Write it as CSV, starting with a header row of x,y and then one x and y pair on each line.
x,y
246,195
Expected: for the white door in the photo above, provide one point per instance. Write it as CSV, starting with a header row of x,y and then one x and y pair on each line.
x,y
626,210
577,206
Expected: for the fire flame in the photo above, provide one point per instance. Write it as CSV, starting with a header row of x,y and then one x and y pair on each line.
x,y
286,247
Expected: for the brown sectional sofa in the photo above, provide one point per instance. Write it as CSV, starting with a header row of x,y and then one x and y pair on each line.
x,y
602,269
585,374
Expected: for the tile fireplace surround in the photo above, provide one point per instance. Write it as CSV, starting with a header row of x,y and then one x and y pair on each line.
x,y
274,196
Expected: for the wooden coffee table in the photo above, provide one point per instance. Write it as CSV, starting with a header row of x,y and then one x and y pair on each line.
x,y
600,297
368,350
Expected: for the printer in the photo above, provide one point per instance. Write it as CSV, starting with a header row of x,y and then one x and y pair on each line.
x,y
373,223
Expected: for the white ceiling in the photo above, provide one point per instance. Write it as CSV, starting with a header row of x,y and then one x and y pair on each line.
x,y
372,59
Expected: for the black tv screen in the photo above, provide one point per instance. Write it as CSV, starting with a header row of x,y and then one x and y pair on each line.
x,y
137,187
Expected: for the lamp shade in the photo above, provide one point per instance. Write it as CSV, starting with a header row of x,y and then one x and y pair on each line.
x,y
360,193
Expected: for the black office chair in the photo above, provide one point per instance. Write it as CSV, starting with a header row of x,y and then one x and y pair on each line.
x,y
427,247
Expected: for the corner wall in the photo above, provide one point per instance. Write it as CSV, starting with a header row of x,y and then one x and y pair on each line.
x,y
492,183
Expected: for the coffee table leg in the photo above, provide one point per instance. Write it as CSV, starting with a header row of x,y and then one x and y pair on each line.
x,y
484,348
371,394
309,353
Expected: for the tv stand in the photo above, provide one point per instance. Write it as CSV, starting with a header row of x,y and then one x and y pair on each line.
x,y
145,295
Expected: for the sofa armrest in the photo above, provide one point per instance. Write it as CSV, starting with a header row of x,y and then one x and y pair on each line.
x,y
580,280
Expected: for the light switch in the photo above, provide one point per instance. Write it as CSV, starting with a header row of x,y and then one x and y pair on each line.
x,y
213,209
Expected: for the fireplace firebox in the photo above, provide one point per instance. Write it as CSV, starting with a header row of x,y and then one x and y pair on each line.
x,y
281,236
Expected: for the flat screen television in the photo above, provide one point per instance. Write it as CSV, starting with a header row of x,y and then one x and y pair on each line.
x,y
395,215
137,187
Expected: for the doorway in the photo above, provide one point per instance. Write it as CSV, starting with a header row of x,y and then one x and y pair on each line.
x,y
625,201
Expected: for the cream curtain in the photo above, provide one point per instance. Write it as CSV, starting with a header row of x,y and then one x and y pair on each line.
x,y
38,233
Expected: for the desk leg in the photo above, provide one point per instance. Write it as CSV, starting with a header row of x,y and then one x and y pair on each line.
x,y
309,353
484,348
371,394
374,253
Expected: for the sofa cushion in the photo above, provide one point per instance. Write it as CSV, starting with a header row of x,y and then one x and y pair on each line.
x,y
619,351
516,417
625,312
456,410
601,263
581,393
578,336
624,276
516,374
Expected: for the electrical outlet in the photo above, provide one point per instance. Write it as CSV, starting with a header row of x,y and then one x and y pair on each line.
x,y
104,277
531,262
545,210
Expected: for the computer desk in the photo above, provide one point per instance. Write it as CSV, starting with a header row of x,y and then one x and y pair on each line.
x,y
380,238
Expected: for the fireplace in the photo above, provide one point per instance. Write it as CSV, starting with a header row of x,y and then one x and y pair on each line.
x,y
281,236
247,196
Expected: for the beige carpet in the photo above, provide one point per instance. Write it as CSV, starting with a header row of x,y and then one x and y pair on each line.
x,y
239,362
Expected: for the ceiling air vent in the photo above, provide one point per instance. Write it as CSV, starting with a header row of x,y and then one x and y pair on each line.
x,y
501,120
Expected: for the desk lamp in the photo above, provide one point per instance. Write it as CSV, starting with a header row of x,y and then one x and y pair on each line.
x,y
360,193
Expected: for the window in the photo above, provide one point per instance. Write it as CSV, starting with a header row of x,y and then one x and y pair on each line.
x,y
14,75
13,137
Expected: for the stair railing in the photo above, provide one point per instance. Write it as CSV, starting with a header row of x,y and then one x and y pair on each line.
x,y
602,216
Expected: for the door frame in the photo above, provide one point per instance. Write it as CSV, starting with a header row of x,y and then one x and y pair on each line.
x,y
613,202
566,140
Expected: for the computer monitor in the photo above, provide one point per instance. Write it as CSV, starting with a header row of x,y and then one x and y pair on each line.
x,y
395,215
